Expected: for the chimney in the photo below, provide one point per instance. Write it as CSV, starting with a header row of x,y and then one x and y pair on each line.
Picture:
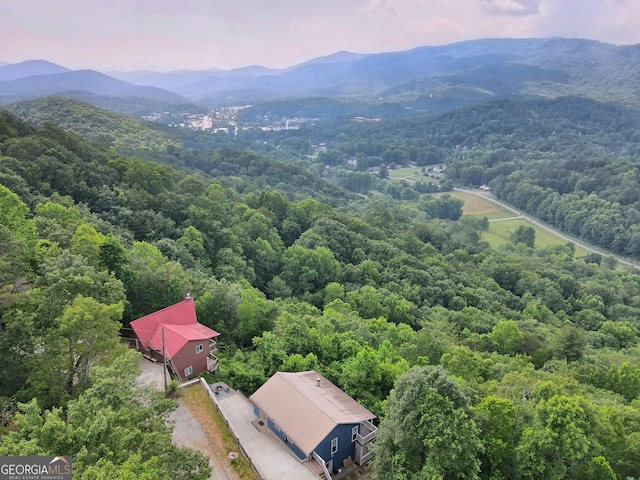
x,y
318,382
188,296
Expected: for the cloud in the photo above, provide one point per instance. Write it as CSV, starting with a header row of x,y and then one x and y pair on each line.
x,y
311,27
515,8
133,34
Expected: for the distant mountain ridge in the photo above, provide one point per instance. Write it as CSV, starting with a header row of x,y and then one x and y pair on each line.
x,y
29,80
443,77
29,68
180,79
430,78
89,80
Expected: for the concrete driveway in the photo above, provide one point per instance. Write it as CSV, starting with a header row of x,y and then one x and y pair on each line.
x,y
270,458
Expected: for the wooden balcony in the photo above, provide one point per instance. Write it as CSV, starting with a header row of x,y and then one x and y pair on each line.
x,y
213,345
212,362
368,433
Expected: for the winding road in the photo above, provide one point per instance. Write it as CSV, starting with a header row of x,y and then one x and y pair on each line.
x,y
537,223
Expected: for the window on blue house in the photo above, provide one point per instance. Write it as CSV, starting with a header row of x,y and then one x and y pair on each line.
x,y
354,433
334,446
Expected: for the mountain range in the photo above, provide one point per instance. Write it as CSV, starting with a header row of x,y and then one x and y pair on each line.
x,y
437,78
39,78
434,78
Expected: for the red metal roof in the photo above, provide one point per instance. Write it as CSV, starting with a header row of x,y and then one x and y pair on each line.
x,y
180,325
176,336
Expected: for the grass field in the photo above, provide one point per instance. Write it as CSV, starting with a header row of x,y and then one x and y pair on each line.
x,y
475,205
499,233
412,174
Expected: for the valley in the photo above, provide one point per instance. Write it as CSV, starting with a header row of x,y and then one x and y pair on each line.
x,y
448,235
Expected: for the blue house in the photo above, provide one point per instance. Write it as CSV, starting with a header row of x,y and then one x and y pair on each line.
x,y
316,419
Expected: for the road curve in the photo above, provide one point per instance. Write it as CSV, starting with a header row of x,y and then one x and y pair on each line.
x,y
491,198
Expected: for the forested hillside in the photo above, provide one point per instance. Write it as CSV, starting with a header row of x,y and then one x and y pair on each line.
x,y
526,361
571,162
123,135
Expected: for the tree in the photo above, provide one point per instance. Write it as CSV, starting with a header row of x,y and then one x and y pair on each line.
x,y
332,292
13,257
507,336
497,419
113,255
598,469
88,332
569,343
113,430
625,380
277,288
307,270
86,242
66,277
593,258
12,216
559,436
383,170
523,234
361,376
427,432
194,243
464,363
217,307
255,315
623,334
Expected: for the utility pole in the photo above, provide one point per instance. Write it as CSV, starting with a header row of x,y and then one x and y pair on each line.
x,y
164,361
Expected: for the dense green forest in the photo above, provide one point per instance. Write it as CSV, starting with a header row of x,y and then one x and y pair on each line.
x,y
514,364
570,162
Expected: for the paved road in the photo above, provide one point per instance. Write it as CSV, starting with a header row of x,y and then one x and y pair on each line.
x,y
491,198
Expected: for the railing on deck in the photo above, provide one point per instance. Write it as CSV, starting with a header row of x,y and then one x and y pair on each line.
x,y
370,432
212,362
322,463
365,458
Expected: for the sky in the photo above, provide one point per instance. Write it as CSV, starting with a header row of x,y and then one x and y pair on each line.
x,y
168,35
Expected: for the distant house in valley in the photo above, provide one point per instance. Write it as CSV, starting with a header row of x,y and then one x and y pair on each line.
x,y
484,188
189,346
316,419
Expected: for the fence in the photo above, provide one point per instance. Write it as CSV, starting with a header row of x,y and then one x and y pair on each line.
x,y
211,396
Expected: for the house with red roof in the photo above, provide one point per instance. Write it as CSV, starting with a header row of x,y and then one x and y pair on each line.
x,y
189,346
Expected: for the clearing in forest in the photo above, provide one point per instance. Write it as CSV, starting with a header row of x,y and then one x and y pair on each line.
x,y
413,174
475,205
500,232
